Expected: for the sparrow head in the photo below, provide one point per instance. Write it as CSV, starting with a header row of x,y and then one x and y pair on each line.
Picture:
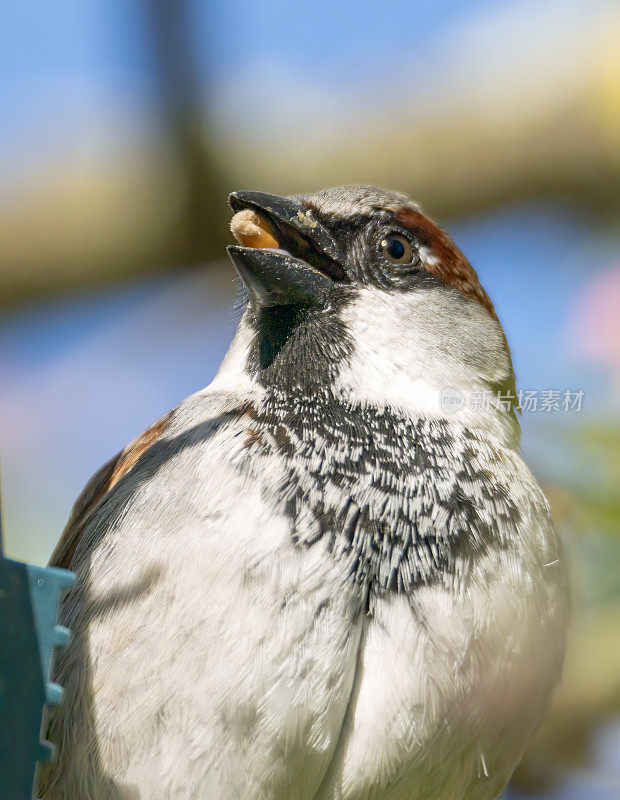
x,y
353,290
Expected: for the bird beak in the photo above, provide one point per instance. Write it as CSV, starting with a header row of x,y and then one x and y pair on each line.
x,y
301,264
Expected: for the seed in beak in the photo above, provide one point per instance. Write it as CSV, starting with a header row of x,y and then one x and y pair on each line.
x,y
252,230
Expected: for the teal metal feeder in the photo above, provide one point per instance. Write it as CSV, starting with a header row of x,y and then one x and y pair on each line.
x,y
29,600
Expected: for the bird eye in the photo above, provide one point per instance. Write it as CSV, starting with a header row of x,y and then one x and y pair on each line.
x,y
397,249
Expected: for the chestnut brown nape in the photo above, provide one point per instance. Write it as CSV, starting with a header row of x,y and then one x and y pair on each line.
x,y
449,264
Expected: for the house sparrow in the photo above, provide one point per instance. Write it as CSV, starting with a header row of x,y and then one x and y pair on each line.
x,y
329,575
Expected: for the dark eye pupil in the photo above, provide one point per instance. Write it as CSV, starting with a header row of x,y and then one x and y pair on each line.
x,y
396,248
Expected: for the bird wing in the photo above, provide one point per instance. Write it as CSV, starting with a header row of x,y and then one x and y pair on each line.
x,y
236,649
98,487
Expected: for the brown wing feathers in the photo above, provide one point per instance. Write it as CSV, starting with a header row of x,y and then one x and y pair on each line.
x,y
98,487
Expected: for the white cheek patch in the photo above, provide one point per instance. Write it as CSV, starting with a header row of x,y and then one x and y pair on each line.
x,y
423,350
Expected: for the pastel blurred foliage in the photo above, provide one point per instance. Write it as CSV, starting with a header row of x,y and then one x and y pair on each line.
x,y
125,124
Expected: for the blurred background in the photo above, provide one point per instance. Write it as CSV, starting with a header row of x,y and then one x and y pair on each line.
x,y
125,123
